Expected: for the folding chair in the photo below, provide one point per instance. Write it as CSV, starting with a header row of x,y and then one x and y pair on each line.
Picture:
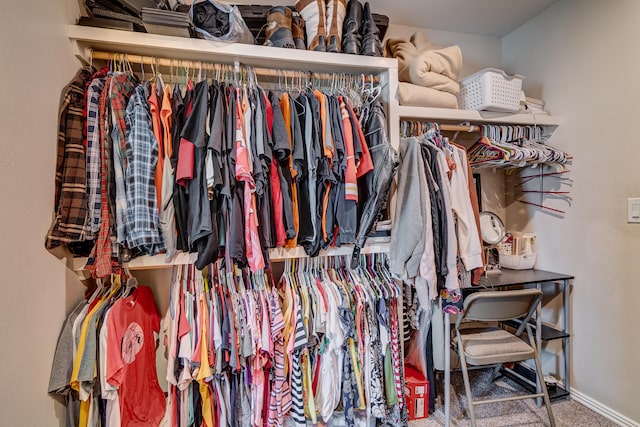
x,y
489,345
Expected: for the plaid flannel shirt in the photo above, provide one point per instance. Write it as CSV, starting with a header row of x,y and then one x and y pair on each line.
x,y
142,219
93,157
100,261
121,88
70,182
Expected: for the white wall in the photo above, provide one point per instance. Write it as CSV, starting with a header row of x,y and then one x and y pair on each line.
x,y
581,56
36,63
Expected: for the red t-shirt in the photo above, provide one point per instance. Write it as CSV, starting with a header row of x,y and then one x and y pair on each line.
x,y
131,358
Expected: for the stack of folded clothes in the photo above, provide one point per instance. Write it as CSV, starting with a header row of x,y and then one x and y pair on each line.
x,y
428,76
532,105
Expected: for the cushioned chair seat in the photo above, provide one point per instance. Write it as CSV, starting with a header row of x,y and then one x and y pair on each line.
x,y
483,346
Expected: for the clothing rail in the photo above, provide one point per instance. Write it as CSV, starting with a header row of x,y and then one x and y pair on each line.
x,y
237,67
461,127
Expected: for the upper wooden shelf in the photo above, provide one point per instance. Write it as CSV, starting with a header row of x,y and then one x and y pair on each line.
x,y
146,44
447,115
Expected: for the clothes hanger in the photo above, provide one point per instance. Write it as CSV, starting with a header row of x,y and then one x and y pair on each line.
x,y
295,93
142,68
370,275
158,75
370,88
366,271
372,266
541,206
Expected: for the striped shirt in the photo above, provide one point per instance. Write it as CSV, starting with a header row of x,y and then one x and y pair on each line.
x,y
93,157
297,395
100,261
280,397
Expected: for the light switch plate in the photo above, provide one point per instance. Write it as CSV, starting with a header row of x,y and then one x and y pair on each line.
x,y
633,210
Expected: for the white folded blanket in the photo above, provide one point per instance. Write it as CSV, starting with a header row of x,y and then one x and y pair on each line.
x,y
419,96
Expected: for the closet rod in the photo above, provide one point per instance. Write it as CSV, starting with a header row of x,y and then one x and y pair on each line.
x,y
166,62
450,127
459,128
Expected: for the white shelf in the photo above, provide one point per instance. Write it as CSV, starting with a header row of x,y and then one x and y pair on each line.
x,y
171,47
448,115
277,254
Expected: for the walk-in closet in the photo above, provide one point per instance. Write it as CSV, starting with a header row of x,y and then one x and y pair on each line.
x,y
319,213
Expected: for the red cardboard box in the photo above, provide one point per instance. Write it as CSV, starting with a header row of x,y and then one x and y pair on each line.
x,y
416,390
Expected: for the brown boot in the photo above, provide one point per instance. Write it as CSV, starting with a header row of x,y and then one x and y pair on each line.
x,y
313,12
297,28
278,30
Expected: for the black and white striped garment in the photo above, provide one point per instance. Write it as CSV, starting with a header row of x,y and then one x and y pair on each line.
x,y
297,395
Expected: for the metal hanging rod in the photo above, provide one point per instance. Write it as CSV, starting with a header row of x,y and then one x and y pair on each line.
x,y
462,127
459,128
154,61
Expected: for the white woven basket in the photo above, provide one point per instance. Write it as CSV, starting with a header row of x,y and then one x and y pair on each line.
x,y
517,262
491,90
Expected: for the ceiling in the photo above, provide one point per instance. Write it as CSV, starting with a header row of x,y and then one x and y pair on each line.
x,y
486,17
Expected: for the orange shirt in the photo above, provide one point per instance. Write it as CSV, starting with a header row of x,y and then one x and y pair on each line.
x,y
154,109
285,106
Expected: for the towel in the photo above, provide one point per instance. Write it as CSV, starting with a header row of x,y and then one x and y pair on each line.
x,y
437,68
404,51
419,96
421,63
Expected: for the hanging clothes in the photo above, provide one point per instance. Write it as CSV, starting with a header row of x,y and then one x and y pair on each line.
x,y
312,347
70,202
131,355
304,175
375,186
434,196
105,360
142,221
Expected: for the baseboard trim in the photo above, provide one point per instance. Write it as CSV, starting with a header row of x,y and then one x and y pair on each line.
x,y
602,409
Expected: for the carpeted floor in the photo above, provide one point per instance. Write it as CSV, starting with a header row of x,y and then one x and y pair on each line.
x,y
516,413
